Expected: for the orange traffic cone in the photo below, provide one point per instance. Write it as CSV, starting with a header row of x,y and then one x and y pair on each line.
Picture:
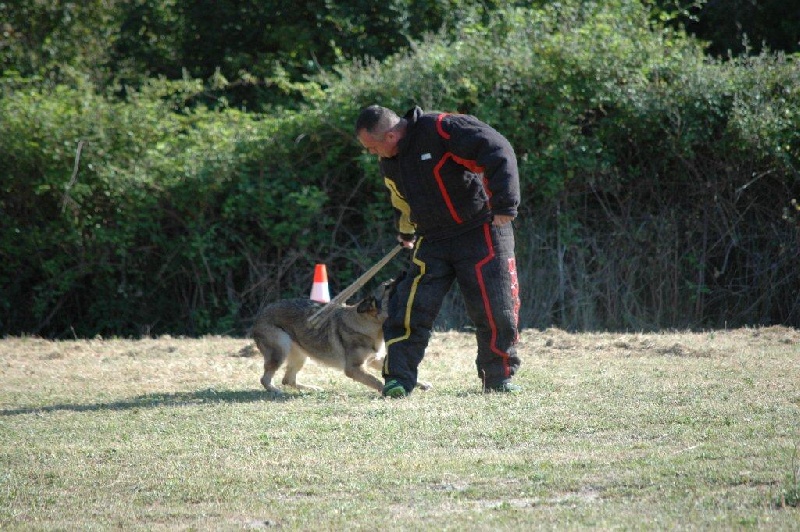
x,y
319,290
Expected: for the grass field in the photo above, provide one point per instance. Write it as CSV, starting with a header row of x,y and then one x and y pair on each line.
x,y
613,431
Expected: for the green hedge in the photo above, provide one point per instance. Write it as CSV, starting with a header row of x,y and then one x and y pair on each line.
x,y
658,184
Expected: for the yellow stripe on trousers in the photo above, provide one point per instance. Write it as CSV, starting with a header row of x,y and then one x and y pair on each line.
x,y
409,305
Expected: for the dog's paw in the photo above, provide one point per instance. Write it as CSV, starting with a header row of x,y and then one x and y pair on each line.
x,y
424,386
272,390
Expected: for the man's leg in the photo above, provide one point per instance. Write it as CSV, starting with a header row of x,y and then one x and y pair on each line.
x,y
487,277
412,311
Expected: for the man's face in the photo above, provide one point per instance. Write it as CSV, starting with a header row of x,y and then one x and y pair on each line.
x,y
384,145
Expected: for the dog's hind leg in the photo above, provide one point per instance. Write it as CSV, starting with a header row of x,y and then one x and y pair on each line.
x,y
294,363
274,344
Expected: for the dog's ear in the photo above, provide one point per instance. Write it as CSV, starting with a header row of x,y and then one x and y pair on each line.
x,y
391,285
387,289
368,304
383,295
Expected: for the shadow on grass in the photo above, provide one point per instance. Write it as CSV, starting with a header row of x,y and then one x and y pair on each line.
x,y
154,400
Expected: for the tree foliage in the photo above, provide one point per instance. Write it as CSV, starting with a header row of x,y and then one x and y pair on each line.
x,y
250,53
738,27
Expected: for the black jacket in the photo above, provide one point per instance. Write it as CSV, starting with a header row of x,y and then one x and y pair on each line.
x,y
451,174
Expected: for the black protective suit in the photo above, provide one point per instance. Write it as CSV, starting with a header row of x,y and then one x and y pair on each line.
x,y
451,175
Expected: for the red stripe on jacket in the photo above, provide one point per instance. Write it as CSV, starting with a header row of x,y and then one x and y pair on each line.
x,y
445,135
469,164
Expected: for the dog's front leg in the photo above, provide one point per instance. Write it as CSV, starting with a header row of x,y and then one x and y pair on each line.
x,y
357,373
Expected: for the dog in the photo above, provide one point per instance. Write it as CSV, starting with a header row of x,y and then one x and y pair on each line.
x,y
350,339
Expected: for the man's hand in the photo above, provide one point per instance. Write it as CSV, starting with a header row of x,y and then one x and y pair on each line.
x,y
501,219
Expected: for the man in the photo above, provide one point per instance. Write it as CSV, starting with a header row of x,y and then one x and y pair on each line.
x,y
454,184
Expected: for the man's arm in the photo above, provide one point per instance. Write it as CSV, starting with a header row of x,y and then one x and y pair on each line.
x,y
474,140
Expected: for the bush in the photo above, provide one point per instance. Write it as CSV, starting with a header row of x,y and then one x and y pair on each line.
x,y
659,186
647,167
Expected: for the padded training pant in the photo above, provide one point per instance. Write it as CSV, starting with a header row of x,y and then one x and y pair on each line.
x,y
482,262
